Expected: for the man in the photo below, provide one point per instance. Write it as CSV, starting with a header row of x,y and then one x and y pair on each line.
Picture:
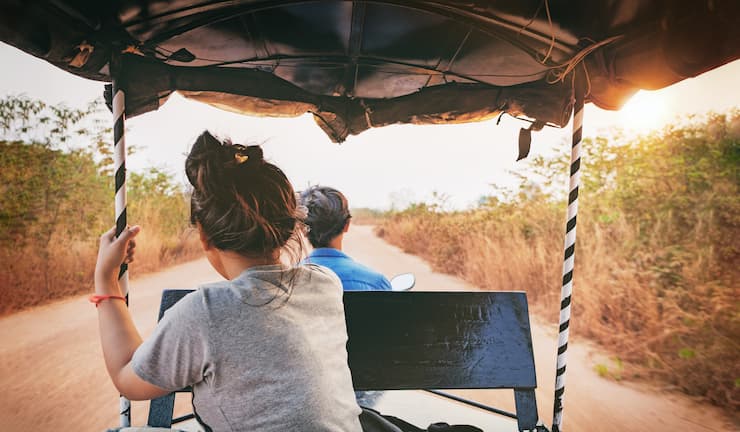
x,y
328,220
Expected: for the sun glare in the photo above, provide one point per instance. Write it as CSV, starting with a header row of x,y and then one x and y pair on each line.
x,y
644,112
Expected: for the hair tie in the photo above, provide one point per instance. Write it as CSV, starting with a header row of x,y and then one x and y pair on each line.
x,y
239,151
240,159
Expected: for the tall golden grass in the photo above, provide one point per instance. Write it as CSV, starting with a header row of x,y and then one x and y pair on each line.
x,y
30,280
56,198
53,207
163,211
657,275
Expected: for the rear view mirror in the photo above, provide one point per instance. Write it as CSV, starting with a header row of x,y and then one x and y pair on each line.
x,y
403,282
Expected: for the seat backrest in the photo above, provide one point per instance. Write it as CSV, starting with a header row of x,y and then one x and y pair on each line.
x,y
429,340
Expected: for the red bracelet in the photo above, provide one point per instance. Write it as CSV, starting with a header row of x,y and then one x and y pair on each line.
x,y
99,298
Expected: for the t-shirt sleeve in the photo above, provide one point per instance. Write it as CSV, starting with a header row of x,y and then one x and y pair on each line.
x,y
175,355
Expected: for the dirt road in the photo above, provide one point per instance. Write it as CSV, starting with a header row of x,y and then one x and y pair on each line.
x,y
53,378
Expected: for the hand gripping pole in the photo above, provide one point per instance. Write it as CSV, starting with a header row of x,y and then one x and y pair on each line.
x,y
119,163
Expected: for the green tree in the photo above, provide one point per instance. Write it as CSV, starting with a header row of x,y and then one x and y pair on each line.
x,y
56,197
657,278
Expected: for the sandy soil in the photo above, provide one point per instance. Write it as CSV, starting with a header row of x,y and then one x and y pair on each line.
x,y
53,378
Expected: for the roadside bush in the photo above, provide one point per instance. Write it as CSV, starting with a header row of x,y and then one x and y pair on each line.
x,y
657,278
56,198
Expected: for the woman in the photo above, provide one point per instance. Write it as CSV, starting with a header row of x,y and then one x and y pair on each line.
x,y
328,220
264,350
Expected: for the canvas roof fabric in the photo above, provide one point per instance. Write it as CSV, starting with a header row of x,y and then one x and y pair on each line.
x,y
361,64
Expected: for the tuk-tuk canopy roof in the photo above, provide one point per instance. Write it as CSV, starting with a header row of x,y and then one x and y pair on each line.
x,y
362,64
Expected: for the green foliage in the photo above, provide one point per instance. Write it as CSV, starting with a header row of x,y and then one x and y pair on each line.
x,y
657,253
56,198
156,199
676,187
602,370
614,370
23,119
30,120
47,191
686,353
680,181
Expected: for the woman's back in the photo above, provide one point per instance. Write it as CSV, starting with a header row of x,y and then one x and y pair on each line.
x,y
266,349
244,342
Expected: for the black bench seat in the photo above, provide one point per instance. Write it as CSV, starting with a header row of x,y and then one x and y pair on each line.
x,y
428,340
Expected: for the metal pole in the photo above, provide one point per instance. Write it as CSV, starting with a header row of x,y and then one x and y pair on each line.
x,y
119,162
569,256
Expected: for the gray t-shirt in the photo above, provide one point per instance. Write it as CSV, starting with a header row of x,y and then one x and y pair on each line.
x,y
263,352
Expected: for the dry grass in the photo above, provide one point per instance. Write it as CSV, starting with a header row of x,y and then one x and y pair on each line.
x,y
30,279
166,237
53,207
56,196
685,338
657,280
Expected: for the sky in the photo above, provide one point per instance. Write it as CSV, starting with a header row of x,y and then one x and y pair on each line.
x,y
379,168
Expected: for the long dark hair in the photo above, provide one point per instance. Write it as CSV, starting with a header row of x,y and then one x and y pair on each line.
x,y
328,213
243,203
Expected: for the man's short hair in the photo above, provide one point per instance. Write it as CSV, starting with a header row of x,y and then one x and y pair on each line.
x,y
328,214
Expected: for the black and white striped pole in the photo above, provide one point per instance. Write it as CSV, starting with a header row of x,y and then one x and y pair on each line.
x,y
569,256
119,166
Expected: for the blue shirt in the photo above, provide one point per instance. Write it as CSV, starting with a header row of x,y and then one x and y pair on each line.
x,y
354,276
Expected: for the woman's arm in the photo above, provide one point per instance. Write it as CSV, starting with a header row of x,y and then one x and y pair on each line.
x,y
118,335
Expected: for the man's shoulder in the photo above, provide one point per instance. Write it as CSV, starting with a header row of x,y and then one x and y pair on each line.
x,y
365,276
365,271
354,275
337,262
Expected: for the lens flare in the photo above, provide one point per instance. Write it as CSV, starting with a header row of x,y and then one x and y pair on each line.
x,y
644,112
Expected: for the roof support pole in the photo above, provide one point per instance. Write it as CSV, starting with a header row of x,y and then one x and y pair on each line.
x,y
569,256
119,166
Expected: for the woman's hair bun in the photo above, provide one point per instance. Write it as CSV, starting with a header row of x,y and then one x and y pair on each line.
x,y
242,202
254,152
211,163
203,164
